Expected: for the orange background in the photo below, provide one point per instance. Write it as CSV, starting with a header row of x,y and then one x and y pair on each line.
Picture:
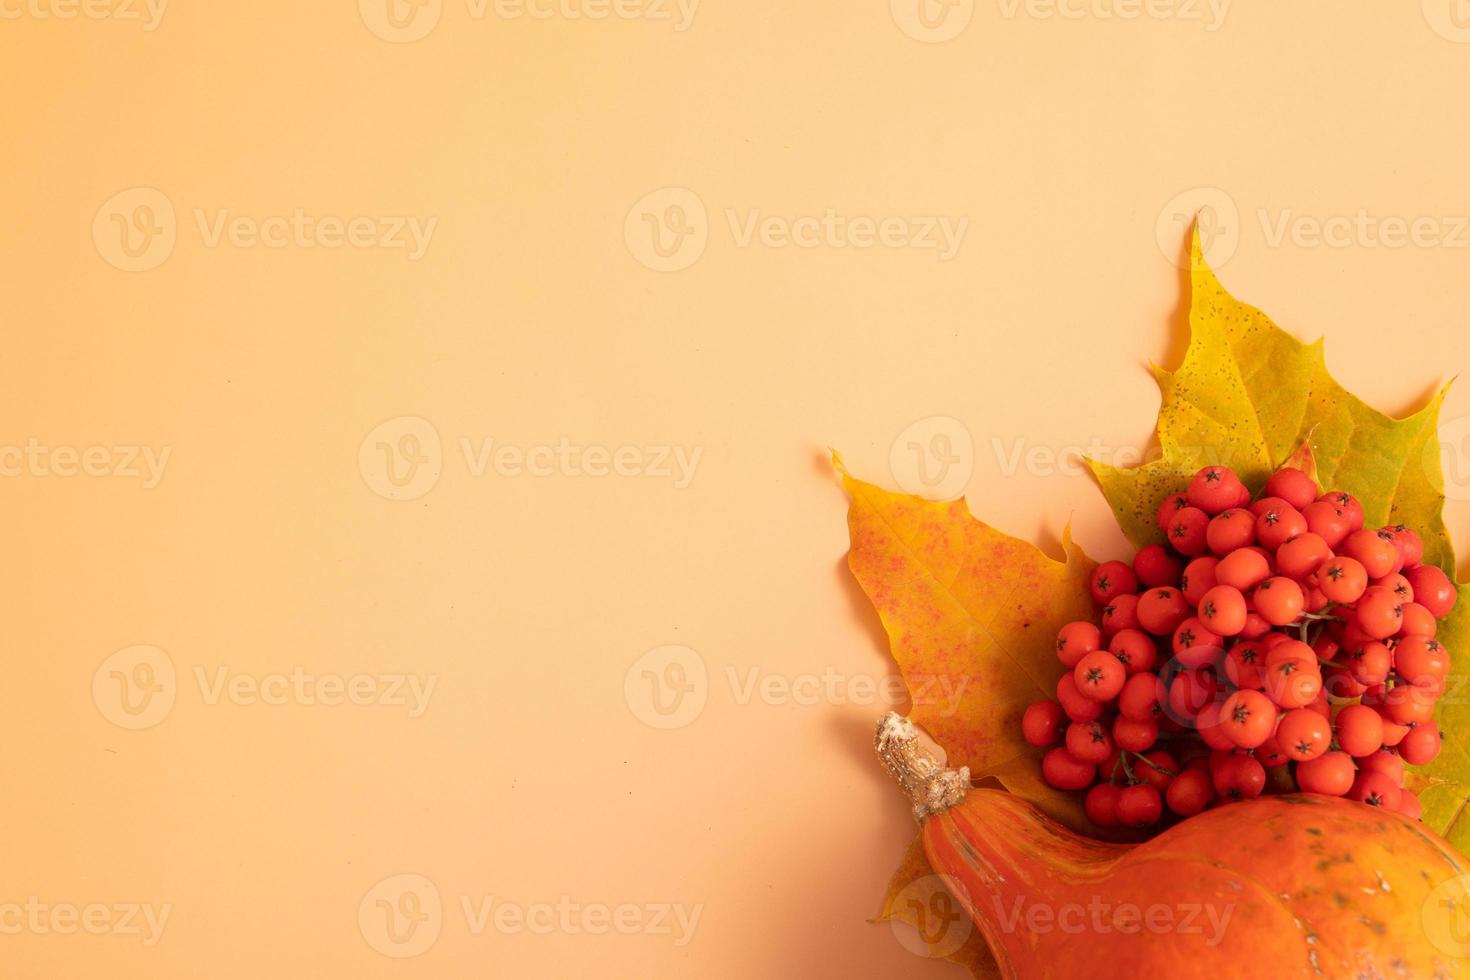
x,y
1072,146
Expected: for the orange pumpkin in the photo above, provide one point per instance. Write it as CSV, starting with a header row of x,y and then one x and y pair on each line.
x,y
1279,886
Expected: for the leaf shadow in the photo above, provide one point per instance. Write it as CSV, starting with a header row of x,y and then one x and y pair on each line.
x,y
788,948
1176,339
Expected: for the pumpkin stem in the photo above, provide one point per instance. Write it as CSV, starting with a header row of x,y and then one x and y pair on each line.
x,y
932,788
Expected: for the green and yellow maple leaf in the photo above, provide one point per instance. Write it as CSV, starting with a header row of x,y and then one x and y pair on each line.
x,y
1248,395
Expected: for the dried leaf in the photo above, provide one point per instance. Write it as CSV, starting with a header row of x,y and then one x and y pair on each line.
x,y
921,898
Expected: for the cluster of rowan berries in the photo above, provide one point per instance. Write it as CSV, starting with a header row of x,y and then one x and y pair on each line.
x,y
1274,645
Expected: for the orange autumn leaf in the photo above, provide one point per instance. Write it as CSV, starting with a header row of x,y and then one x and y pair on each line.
x,y
972,616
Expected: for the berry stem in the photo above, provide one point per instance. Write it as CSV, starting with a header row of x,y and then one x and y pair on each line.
x,y
1154,765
